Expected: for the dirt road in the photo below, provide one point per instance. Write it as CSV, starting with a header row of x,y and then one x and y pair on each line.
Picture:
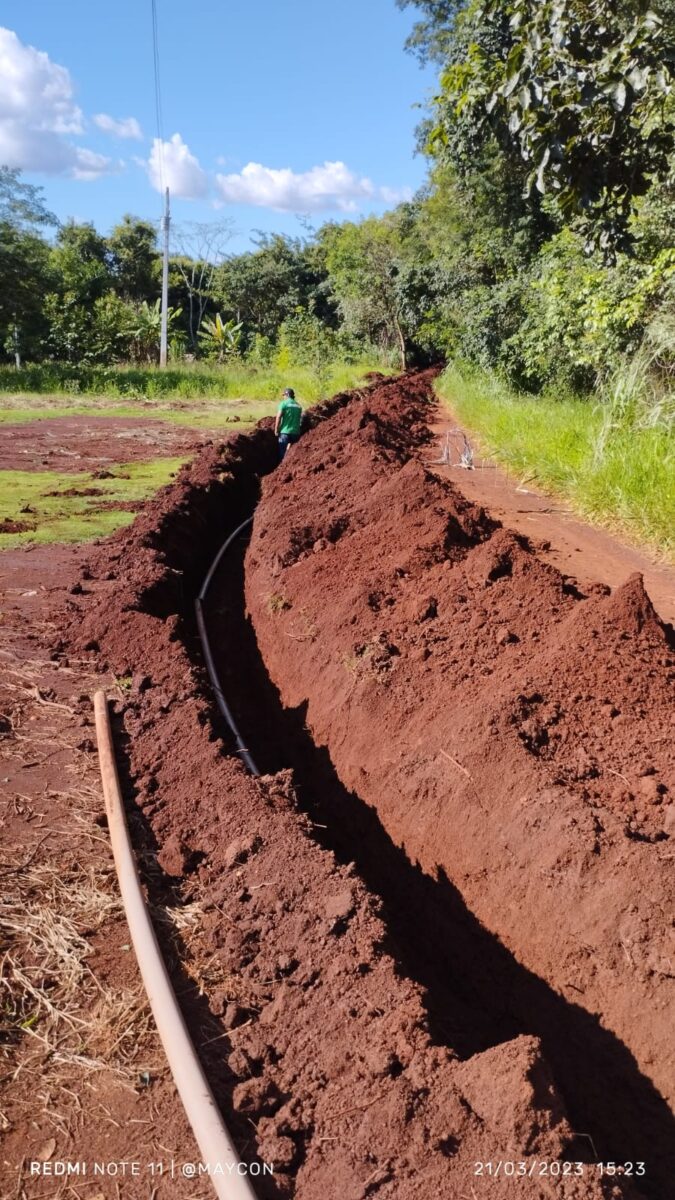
x,y
577,549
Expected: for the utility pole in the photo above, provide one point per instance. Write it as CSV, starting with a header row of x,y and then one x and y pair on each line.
x,y
166,222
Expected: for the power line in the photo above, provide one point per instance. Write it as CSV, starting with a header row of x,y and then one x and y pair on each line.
x,y
158,91
166,219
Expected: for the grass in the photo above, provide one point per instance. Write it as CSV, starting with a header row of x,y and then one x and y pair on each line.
x,y
188,381
192,395
198,414
613,460
36,498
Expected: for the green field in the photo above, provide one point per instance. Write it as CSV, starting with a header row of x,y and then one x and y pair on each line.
x,y
617,467
36,499
193,414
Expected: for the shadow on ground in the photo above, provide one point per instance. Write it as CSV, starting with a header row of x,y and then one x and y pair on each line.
x,y
476,993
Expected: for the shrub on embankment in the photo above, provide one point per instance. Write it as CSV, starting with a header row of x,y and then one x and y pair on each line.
x,y
612,456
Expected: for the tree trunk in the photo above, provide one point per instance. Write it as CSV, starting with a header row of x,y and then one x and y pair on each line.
x,y
401,342
193,338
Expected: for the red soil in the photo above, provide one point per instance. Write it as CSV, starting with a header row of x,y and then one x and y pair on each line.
x,y
513,735
90,443
580,551
324,1063
51,821
386,1047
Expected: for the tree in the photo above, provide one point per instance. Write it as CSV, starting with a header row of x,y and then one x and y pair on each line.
x,y
364,262
580,89
111,330
21,204
433,38
25,277
24,264
200,250
134,260
80,276
81,263
262,288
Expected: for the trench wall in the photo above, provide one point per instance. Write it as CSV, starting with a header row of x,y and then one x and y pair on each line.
x,y
512,733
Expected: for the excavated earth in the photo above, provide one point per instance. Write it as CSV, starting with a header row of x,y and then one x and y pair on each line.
x,y
437,923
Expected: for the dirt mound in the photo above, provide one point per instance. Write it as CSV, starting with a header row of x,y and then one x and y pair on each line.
x,y
513,735
7,525
324,1065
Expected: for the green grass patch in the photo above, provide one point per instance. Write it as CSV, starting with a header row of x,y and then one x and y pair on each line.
x,y
39,500
617,472
189,381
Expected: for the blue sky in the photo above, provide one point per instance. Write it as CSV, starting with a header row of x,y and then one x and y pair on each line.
x,y
271,108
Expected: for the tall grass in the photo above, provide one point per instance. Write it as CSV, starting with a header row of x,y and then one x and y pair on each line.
x,y
613,456
234,380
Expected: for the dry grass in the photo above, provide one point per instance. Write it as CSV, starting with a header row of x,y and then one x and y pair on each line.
x,y
72,1032
55,1014
183,927
59,1021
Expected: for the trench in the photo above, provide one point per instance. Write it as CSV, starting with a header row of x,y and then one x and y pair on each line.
x,y
476,994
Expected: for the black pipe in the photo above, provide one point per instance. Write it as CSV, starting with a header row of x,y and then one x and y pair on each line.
x,y
224,707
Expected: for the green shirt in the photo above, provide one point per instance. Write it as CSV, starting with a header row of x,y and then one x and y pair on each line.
x,y
290,417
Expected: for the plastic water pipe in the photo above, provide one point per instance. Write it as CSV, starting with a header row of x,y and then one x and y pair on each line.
x,y
230,1181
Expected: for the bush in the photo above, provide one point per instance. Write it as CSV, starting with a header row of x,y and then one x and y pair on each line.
x,y
570,320
261,351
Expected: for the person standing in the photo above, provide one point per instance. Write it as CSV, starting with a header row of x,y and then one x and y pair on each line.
x,y
288,424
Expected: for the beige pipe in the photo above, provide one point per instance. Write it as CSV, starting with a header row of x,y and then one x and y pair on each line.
x,y
211,1135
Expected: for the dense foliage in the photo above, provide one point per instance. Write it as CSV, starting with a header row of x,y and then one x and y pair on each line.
x,y
542,245
82,298
578,92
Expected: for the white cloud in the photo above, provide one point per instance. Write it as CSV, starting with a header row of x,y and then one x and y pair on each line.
x,y
119,127
37,111
172,165
395,195
35,90
89,165
326,187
